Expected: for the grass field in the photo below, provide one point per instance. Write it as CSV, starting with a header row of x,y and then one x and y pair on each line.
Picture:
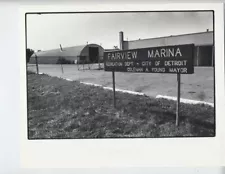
x,y
197,86
68,109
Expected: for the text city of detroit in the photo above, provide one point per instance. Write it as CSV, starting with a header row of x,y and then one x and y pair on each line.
x,y
158,53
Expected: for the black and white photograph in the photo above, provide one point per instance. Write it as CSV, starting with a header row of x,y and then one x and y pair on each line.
x,y
133,74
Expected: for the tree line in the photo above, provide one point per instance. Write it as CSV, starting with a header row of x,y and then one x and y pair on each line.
x,y
29,53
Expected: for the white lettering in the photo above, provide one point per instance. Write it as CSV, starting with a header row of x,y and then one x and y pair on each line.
x,y
139,69
184,70
157,63
146,63
150,54
113,57
128,55
178,52
118,55
174,70
171,70
167,63
158,70
134,55
163,52
157,53
178,70
170,53
175,63
129,69
114,63
128,63
122,55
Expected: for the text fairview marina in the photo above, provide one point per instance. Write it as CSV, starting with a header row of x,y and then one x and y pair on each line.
x,y
152,53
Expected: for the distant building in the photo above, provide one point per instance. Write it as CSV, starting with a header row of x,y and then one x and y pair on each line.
x,y
203,41
91,53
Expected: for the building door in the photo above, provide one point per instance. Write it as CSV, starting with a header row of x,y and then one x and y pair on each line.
x,y
205,56
93,54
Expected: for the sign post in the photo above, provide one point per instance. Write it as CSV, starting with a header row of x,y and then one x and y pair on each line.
x,y
114,90
178,99
36,64
99,66
62,68
177,59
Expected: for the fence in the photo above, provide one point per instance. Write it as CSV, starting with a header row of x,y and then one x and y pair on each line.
x,y
83,63
32,65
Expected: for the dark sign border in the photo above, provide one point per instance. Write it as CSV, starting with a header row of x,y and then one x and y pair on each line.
x,y
137,63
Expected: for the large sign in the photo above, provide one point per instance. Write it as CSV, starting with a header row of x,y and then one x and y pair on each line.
x,y
168,59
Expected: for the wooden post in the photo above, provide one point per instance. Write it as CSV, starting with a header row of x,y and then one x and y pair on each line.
x,y
114,91
197,55
36,64
99,63
62,69
178,99
78,63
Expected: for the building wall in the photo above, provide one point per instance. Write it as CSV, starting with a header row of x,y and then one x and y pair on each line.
x,y
203,55
198,39
49,59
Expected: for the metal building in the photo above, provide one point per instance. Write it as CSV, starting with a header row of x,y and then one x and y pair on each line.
x,y
90,53
203,41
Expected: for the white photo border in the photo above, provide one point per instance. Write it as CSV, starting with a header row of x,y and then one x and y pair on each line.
x,y
91,153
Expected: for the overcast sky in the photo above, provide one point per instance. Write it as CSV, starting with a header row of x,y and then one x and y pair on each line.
x,y
47,31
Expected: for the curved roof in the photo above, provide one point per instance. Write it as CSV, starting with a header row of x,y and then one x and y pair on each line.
x,y
67,51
